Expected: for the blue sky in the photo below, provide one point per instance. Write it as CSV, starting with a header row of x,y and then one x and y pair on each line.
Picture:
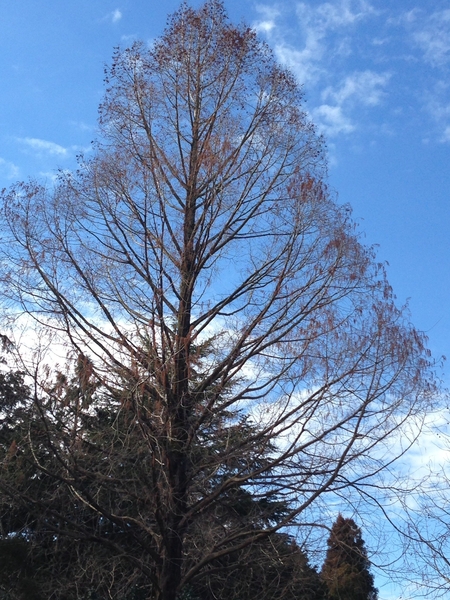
x,y
376,82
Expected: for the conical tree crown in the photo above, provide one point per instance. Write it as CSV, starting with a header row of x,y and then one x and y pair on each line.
x,y
346,570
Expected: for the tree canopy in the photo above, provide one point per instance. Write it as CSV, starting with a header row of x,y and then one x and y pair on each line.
x,y
232,354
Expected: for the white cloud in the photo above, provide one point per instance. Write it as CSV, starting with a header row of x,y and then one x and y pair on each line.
x,y
116,15
43,146
428,42
335,15
405,18
269,15
432,35
318,54
129,38
113,17
446,135
8,169
364,87
332,121
359,88
82,126
437,103
307,55
303,63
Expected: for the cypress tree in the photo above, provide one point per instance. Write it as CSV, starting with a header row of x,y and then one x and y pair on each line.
x,y
346,570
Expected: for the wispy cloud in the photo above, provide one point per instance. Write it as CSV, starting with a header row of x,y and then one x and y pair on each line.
x,y
332,121
304,63
116,15
320,24
8,169
324,33
331,16
112,17
321,54
129,38
364,87
446,135
43,146
267,22
82,126
432,35
358,89
425,36
437,103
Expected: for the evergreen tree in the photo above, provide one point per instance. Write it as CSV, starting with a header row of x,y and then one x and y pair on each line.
x,y
346,570
274,567
40,553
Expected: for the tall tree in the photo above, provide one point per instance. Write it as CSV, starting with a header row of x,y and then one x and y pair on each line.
x,y
202,222
346,570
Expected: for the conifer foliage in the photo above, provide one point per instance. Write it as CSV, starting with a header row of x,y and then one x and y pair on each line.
x,y
346,570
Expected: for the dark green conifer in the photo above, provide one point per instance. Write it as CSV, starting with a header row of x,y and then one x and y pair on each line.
x,y
346,570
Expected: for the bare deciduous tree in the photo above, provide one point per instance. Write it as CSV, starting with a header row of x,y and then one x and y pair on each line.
x,y
220,304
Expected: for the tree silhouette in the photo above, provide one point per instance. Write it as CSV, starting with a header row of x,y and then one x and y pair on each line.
x,y
224,330
346,570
